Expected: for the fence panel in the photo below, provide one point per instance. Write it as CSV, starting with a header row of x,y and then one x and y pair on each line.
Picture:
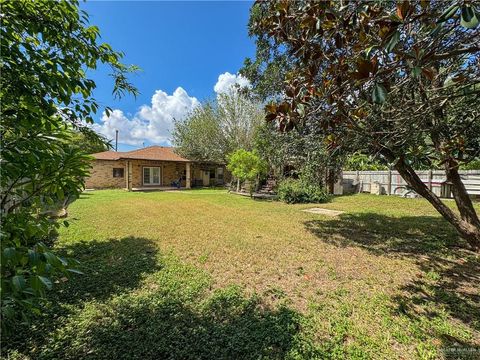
x,y
390,182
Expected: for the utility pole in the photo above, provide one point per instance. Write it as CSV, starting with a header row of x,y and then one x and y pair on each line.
x,y
116,140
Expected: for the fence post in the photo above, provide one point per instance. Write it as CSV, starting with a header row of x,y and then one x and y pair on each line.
x,y
430,177
358,181
389,181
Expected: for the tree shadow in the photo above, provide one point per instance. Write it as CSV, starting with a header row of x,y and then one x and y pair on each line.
x,y
384,235
132,304
109,268
450,275
226,326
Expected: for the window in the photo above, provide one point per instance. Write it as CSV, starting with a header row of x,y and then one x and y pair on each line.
x,y
212,174
151,176
118,172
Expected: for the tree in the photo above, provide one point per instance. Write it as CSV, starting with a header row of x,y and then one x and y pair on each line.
x,y
303,150
47,48
246,166
217,128
198,136
89,142
399,79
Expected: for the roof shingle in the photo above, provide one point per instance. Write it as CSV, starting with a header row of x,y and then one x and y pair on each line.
x,y
107,155
161,153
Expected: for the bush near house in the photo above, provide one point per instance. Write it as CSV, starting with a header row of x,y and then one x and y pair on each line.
x,y
294,191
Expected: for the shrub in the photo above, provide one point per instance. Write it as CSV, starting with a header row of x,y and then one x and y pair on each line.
x,y
294,191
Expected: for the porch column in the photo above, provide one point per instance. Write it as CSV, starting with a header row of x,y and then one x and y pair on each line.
x,y
187,176
129,175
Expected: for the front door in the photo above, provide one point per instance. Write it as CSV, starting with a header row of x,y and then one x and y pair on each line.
x,y
151,176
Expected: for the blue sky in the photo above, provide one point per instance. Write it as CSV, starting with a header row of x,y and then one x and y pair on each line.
x,y
182,48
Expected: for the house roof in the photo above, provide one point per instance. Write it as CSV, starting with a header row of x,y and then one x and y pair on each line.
x,y
161,153
107,155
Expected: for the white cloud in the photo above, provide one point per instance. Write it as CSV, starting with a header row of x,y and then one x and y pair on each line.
x,y
151,123
226,81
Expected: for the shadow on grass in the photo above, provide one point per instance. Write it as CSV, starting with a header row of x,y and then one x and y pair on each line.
x,y
225,326
110,267
131,303
449,278
384,235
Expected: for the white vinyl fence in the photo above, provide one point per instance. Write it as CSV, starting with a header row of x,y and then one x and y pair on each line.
x,y
390,182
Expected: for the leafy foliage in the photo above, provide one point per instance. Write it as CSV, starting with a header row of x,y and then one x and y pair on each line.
x,y
46,47
90,142
218,128
198,136
472,165
363,162
294,191
246,165
303,150
398,79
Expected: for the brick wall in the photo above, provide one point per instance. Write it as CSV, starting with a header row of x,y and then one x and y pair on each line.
x,y
101,175
170,171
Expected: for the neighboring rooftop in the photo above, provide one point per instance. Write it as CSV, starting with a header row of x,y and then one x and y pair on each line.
x,y
161,153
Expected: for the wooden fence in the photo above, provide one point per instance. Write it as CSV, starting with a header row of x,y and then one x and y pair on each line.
x,y
390,182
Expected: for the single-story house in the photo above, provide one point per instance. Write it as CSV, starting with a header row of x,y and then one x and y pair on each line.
x,y
153,167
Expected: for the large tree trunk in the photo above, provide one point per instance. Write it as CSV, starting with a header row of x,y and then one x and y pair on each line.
x,y
330,180
463,201
467,224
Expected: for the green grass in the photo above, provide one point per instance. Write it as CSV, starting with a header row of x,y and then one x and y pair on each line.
x,y
208,275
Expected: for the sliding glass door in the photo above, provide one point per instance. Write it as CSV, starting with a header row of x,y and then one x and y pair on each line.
x,y
151,176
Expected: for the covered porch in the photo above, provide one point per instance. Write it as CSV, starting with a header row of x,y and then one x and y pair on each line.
x,y
150,175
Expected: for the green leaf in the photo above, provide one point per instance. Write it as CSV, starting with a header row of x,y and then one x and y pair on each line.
x,y
469,19
416,71
9,253
467,13
394,39
75,271
379,94
35,283
368,51
447,14
18,282
33,257
45,281
51,258
301,109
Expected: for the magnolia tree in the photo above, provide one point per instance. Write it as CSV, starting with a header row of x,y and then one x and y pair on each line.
x,y
395,79
47,48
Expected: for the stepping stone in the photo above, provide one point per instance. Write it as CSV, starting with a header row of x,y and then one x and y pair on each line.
x,y
321,211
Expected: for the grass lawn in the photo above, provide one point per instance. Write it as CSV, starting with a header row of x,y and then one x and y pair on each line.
x,y
204,274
